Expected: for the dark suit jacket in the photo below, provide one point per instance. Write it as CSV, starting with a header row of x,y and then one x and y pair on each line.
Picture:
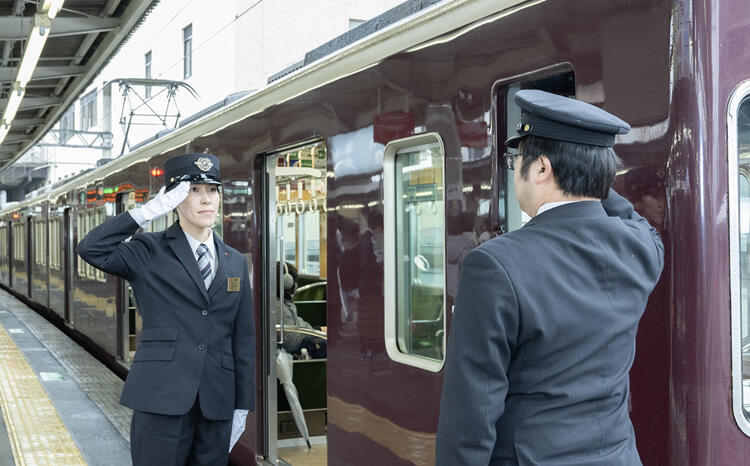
x,y
194,341
543,337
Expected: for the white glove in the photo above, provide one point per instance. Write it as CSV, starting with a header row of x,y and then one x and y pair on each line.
x,y
238,426
161,204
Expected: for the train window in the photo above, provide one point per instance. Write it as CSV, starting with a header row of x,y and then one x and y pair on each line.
x,y
562,83
83,230
37,242
300,206
738,123
99,217
40,248
3,240
91,218
19,240
309,242
53,244
414,226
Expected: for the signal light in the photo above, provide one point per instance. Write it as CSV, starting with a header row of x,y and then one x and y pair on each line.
x,y
157,172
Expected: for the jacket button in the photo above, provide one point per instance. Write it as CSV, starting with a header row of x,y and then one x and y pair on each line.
x,y
204,312
202,347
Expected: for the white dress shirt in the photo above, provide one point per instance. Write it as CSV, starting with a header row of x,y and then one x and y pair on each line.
x,y
551,205
194,243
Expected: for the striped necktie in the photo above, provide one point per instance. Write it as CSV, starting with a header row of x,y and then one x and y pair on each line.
x,y
204,263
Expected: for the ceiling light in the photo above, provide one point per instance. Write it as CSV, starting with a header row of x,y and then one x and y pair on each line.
x,y
52,7
14,102
34,45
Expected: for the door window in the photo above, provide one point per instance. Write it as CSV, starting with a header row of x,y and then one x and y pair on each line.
x,y
414,206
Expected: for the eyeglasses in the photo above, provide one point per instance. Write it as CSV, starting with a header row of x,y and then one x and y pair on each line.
x,y
510,158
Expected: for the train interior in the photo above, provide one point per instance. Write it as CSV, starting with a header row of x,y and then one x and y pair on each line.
x,y
298,314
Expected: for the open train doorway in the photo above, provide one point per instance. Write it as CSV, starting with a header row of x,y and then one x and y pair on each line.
x,y
295,312
128,320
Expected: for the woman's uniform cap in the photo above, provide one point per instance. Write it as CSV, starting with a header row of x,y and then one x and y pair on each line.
x,y
195,168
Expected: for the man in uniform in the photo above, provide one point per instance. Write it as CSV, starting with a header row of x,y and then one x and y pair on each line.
x,y
193,374
543,333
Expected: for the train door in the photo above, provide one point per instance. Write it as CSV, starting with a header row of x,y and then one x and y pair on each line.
x,y
67,265
295,306
11,253
29,254
557,80
128,321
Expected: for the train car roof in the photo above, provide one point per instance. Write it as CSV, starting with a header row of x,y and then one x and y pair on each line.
x,y
437,23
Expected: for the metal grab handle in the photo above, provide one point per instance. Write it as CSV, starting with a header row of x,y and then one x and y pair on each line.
x,y
306,331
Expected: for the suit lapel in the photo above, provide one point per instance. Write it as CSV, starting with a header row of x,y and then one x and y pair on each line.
x,y
177,241
221,266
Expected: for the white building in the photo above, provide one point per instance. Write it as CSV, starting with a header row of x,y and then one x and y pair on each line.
x,y
217,48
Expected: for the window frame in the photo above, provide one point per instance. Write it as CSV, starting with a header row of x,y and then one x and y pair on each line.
x,y
82,232
19,238
148,57
389,252
53,244
68,124
741,93
88,115
100,216
187,51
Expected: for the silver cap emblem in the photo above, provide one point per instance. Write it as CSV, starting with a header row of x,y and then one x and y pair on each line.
x,y
204,164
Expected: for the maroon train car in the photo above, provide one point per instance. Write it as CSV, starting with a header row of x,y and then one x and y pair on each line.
x,y
374,170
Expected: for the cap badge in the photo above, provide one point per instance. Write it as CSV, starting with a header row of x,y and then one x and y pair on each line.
x,y
204,164
526,127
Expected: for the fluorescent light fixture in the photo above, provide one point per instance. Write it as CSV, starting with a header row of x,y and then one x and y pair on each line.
x,y
34,45
14,102
52,7
4,130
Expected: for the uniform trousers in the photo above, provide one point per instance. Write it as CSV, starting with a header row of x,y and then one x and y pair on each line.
x,y
187,439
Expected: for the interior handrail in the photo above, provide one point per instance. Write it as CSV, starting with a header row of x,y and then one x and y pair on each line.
x,y
303,330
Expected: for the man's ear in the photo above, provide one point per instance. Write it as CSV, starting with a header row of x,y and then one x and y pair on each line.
x,y
543,169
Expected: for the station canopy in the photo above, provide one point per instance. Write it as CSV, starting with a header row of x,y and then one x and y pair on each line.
x,y
50,52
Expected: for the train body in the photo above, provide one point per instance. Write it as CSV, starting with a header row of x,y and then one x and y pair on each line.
x,y
375,169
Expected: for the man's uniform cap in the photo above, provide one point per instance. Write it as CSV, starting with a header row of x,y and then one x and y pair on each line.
x,y
195,168
555,117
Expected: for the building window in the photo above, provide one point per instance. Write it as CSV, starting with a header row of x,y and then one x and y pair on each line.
x,y
67,125
88,111
187,51
148,72
414,262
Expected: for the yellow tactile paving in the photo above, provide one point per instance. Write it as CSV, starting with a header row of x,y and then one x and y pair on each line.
x,y
37,435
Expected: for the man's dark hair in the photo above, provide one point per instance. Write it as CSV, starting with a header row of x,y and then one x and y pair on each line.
x,y
579,169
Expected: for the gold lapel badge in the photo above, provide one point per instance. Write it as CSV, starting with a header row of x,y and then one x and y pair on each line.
x,y
233,284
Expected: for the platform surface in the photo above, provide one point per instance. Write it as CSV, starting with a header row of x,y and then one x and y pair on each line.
x,y
59,404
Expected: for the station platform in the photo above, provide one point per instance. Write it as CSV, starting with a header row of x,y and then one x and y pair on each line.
x,y
59,404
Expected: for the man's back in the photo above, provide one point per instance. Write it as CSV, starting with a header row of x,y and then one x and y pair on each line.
x,y
555,339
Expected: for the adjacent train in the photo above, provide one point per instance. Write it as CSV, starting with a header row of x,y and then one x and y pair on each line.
x,y
375,169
